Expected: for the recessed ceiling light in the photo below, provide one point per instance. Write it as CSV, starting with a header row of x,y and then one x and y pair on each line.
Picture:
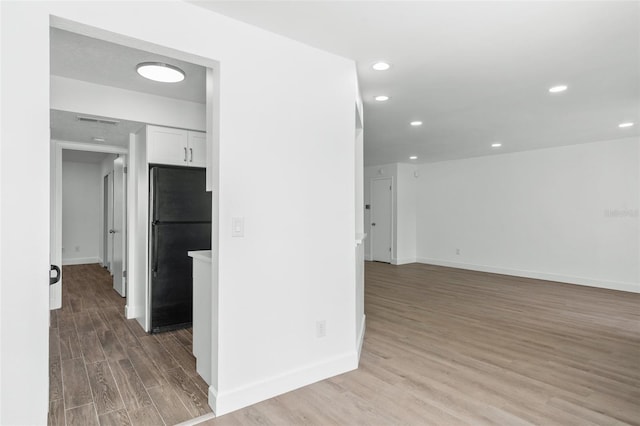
x,y
413,157
98,139
416,123
623,125
558,89
159,71
496,145
381,98
381,66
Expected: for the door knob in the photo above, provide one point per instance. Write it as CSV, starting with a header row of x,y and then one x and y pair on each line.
x,y
373,224
112,231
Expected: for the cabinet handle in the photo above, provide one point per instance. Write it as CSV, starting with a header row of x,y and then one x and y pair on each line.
x,y
191,153
185,154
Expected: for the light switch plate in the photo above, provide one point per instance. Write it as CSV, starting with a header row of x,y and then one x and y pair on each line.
x,y
237,227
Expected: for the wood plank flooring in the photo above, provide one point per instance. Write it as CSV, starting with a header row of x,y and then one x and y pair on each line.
x,y
105,370
453,347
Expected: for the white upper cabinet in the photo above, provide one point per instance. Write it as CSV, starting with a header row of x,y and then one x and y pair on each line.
x,y
197,144
176,147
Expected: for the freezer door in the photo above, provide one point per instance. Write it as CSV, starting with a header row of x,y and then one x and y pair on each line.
x,y
171,272
179,195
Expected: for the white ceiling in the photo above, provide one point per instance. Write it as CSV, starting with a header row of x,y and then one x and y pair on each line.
x,y
474,72
97,61
65,126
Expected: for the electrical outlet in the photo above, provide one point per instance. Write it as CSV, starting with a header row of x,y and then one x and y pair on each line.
x,y
77,249
321,328
457,251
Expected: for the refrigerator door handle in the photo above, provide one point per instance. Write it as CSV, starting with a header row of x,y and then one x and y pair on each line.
x,y
154,254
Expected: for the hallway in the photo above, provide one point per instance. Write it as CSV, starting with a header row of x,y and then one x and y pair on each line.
x,y
105,370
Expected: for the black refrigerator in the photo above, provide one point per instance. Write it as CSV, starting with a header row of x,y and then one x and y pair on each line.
x,y
180,221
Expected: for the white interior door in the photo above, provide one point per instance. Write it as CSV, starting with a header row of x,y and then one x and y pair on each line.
x,y
109,254
381,220
105,222
118,231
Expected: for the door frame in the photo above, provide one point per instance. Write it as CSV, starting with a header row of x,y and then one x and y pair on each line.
x,y
391,216
55,291
120,278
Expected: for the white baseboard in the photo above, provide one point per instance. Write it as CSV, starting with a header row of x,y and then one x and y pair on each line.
x,y
213,399
589,282
133,311
130,312
368,257
226,402
403,261
80,261
363,326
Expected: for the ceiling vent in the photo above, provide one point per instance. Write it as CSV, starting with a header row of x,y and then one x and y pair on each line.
x,y
97,120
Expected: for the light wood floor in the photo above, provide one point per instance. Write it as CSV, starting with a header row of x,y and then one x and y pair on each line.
x,y
448,347
104,369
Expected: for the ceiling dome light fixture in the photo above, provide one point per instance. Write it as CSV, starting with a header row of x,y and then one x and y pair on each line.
x,y
627,124
416,123
159,71
559,88
381,98
496,145
413,157
381,66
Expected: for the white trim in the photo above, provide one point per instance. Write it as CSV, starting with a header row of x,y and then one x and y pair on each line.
x,y
368,257
264,389
213,398
589,282
363,326
80,146
131,311
403,261
198,420
80,261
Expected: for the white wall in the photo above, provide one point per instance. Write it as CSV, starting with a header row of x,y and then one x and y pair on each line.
x,y
273,283
24,191
403,206
406,213
567,214
80,212
68,94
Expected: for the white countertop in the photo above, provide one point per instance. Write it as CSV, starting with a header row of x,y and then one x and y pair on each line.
x,y
200,255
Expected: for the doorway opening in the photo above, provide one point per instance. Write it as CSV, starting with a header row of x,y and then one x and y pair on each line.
x,y
108,336
79,199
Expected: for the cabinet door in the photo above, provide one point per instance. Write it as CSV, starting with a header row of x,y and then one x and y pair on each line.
x,y
197,149
167,146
